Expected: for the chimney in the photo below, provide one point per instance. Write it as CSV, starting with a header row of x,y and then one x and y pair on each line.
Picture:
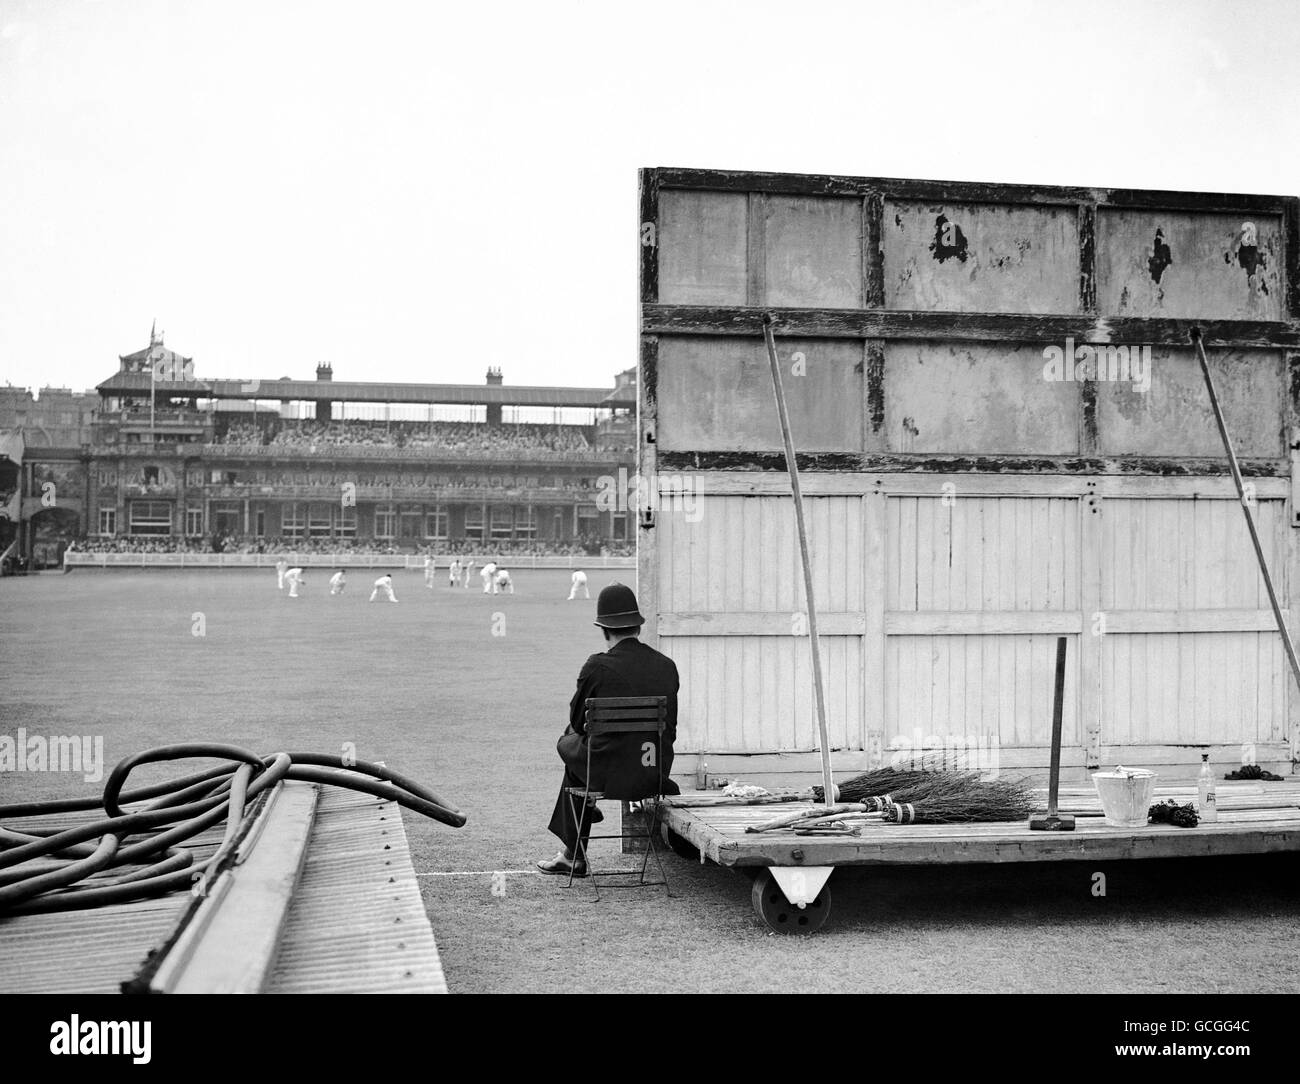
x,y
325,371
493,376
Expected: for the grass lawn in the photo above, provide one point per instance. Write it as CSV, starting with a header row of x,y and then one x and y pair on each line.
x,y
468,693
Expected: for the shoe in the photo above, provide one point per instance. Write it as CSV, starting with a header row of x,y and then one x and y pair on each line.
x,y
563,866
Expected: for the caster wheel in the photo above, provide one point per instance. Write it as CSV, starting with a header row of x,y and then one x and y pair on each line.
x,y
781,915
680,845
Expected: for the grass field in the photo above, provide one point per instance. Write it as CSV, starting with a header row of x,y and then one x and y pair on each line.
x,y
429,688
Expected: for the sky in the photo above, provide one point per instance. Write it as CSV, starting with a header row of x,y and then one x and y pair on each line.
x,y
418,191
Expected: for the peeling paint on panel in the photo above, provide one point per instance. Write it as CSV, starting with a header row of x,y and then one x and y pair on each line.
x,y
870,463
948,240
875,376
981,258
1160,257
1205,266
1245,247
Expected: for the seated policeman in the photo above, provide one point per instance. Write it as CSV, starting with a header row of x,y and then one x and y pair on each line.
x,y
627,667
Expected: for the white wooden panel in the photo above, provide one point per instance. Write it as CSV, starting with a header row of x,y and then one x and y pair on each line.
x,y
1191,688
1023,553
1007,696
742,555
727,707
1185,554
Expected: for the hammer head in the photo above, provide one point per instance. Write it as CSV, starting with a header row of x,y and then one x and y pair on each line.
x,y
1051,822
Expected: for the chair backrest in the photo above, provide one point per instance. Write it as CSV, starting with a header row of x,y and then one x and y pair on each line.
x,y
626,714
616,761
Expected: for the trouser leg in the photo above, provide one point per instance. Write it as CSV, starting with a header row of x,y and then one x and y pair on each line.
x,y
563,824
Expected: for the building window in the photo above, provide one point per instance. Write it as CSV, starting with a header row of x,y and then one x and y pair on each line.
x,y
474,523
526,522
435,524
345,521
193,522
385,521
320,520
588,520
108,521
293,521
503,522
151,517
620,526
259,521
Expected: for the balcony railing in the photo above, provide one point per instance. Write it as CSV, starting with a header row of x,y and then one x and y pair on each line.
x,y
162,416
429,493
161,449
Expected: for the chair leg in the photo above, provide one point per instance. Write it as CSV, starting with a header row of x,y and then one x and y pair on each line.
x,y
579,849
653,847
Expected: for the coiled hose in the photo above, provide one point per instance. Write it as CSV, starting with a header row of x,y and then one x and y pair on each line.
x,y
73,868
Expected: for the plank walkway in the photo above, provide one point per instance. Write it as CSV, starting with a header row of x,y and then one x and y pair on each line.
x,y
355,923
1254,818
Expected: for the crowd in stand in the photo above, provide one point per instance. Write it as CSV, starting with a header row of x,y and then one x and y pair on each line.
x,y
140,544
538,547
459,437
589,547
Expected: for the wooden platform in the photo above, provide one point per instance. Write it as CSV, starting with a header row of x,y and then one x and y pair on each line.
x,y
1254,818
321,899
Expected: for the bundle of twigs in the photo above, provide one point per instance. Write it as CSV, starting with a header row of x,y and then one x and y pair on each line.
x,y
939,798
879,782
887,787
998,800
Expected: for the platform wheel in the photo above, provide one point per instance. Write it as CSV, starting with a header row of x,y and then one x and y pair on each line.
x,y
679,844
781,915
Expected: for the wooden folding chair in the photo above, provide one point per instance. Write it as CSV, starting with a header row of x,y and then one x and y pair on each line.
x,y
626,770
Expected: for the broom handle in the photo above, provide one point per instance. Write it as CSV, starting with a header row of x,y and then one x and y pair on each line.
x,y
828,782
1245,507
1058,710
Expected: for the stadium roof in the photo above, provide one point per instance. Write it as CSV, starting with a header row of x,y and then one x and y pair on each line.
x,y
344,391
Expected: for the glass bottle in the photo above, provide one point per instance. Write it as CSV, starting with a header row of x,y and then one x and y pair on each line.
x,y
1206,803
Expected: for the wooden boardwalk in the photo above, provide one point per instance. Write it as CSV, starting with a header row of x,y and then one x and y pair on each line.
x,y
321,899
1254,818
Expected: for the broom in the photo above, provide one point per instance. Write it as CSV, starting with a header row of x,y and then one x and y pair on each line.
x,y
1000,800
927,785
948,799
878,782
878,790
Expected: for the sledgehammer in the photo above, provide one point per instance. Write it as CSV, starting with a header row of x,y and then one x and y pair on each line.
x,y
1054,821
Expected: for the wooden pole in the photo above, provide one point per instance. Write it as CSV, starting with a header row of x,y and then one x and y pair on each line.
x,y
1245,507
828,782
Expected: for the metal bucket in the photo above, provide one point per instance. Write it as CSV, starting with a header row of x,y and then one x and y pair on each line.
x,y
1125,795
